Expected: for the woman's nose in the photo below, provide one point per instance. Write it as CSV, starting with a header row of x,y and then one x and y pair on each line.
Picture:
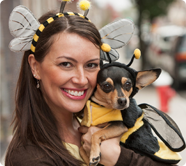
x,y
80,77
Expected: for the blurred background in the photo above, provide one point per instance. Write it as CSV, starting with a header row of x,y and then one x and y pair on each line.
x,y
160,34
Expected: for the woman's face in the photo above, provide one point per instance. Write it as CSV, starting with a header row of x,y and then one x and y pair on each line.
x,y
68,73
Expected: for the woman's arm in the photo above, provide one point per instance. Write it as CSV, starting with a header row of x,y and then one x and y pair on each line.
x,y
112,154
29,156
129,158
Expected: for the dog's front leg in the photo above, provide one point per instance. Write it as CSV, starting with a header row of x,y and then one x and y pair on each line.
x,y
114,129
84,155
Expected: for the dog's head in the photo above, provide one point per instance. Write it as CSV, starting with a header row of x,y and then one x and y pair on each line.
x,y
116,83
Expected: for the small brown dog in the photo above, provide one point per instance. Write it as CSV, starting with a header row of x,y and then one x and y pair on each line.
x,y
116,84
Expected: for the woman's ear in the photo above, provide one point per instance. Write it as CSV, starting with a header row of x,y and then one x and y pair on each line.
x,y
34,65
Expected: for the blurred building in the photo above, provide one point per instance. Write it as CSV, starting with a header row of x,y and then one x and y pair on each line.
x,y
177,13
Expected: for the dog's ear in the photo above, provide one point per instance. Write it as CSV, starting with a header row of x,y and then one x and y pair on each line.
x,y
147,77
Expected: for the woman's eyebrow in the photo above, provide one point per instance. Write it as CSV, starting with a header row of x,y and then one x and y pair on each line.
x,y
69,58
94,59
66,57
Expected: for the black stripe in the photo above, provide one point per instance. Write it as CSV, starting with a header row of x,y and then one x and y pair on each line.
x,y
76,14
34,43
66,14
38,32
45,23
86,18
55,17
31,52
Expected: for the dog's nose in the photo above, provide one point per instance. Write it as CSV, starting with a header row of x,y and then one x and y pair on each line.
x,y
122,101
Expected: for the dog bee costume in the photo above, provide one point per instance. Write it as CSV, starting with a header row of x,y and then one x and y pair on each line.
x,y
26,31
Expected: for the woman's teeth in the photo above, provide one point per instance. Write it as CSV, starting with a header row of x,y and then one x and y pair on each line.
x,y
74,93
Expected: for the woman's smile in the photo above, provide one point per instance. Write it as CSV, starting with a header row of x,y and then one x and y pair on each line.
x,y
75,94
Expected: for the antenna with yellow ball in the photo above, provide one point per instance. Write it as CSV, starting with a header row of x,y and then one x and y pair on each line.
x,y
137,54
106,48
82,4
85,6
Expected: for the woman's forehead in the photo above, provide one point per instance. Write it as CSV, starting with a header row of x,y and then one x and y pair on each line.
x,y
73,45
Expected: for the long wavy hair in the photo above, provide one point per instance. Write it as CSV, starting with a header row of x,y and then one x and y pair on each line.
x,y
33,120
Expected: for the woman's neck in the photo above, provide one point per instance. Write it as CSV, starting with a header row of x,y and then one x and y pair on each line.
x,y
68,129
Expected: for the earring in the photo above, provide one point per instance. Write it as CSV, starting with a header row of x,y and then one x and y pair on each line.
x,y
37,86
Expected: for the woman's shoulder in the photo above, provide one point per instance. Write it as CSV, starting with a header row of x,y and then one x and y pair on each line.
x,y
30,155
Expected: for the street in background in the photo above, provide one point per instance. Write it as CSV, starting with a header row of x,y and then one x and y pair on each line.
x,y
168,51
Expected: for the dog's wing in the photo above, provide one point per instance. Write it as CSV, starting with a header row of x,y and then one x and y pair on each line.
x,y
164,126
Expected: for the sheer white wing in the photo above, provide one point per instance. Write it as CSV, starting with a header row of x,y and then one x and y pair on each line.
x,y
20,44
164,126
118,33
113,55
22,25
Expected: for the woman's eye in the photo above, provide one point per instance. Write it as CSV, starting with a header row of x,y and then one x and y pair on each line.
x,y
92,65
66,64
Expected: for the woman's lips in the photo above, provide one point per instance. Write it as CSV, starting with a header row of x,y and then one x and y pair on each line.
x,y
75,94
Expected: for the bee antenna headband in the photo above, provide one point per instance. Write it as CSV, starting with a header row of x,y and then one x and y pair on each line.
x,y
26,29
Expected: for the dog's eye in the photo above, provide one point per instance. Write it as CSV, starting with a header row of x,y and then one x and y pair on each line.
x,y
106,87
127,86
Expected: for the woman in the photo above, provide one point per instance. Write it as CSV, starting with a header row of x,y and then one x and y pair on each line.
x,y
54,84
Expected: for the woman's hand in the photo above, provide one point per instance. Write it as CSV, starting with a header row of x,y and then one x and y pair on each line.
x,y
110,149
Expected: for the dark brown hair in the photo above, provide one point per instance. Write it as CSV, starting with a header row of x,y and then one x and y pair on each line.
x,y
33,120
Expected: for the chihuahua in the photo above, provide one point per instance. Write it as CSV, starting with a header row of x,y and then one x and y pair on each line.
x,y
116,85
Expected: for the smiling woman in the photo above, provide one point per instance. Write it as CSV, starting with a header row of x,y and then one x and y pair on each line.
x,y
55,82
58,75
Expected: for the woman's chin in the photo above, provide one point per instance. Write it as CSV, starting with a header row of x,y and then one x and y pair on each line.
x,y
74,107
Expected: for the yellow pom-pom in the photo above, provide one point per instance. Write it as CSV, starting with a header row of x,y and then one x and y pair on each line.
x,y
105,47
137,53
84,5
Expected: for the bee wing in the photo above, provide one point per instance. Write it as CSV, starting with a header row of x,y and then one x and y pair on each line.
x,y
20,44
117,34
165,127
113,55
22,25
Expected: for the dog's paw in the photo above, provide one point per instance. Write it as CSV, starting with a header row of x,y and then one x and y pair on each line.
x,y
94,160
